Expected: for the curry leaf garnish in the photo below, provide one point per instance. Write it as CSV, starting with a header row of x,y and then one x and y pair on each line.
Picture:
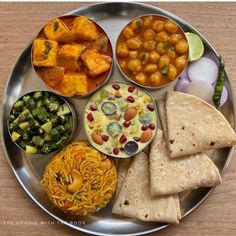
x,y
55,26
48,47
139,25
165,70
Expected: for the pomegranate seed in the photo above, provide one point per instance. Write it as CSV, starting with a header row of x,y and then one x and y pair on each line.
x,y
137,139
152,126
123,139
127,123
130,99
105,138
93,107
116,86
131,89
150,107
116,151
90,117
144,127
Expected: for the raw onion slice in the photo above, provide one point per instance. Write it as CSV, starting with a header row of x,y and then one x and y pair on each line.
x,y
203,69
202,89
184,74
224,96
182,84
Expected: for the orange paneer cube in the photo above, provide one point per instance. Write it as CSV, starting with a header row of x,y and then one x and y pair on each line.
x,y
74,84
52,76
96,62
45,53
84,28
58,31
69,55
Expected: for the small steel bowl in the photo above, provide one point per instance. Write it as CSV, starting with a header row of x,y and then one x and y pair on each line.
x,y
111,154
67,18
163,18
74,120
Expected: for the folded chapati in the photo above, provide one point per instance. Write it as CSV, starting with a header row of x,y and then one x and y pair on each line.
x,y
171,176
134,199
123,167
194,125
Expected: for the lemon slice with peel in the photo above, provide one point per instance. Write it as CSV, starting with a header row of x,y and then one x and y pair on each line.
x,y
196,47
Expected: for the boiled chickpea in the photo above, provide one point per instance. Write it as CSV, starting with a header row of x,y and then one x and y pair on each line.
x,y
170,27
144,56
182,47
174,39
133,54
137,24
163,61
148,34
122,50
158,26
122,64
134,65
127,32
154,57
150,68
155,78
133,43
171,52
162,36
140,78
161,48
181,62
147,21
149,45
172,72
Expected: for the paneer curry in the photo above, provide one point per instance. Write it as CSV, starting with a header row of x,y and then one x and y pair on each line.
x,y
152,50
72,55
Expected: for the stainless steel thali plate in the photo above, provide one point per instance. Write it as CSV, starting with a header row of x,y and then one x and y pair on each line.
x,y
29,169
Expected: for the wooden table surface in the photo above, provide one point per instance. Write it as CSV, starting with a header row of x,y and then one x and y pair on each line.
x,y
19,22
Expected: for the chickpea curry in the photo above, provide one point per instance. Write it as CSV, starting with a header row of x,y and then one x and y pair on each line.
x,y
152,50
72,55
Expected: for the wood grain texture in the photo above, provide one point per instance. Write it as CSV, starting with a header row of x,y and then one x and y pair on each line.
x,y
20,22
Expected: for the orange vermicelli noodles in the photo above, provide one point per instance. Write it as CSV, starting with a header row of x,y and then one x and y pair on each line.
x,y
79,179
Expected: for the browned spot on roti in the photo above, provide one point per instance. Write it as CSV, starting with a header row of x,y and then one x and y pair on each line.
x,y
212,143
181,149
146,216
172,141
183,127
126,202
194,144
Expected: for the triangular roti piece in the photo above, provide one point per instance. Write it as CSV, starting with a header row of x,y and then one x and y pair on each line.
x,y
123,168
171,176
134,199
195,126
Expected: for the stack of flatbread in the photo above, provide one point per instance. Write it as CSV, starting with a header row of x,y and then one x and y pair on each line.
x,y
148,186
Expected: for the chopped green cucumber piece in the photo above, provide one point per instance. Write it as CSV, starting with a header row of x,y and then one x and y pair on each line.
x,y
47,126
47,137
38,141
63,110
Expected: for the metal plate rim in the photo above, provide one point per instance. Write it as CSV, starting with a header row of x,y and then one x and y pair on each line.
x,y
28,192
